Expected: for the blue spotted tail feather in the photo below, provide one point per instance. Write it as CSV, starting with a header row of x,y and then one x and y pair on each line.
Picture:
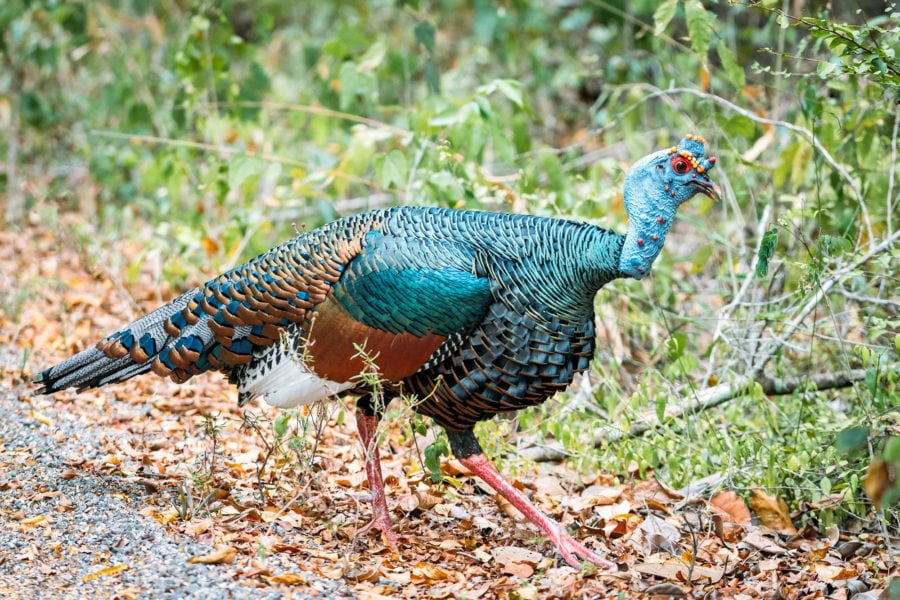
x,y
120,356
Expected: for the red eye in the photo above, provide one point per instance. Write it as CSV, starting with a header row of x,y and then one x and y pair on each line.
x,y
681,165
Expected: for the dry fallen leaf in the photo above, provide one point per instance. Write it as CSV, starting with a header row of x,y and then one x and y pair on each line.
x,y
880,477
105,572
677,570
756,540
731,506
430,572
772,512
287,579
41,418
661,535
832,573
516,561
221,555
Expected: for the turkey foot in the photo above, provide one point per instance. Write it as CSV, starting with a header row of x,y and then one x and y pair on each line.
x,y
568,546
381,523
381,518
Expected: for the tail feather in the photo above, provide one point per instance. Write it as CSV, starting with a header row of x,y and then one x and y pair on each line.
x,y
120,356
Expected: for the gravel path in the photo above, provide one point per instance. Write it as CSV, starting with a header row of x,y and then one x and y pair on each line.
x,y
66,533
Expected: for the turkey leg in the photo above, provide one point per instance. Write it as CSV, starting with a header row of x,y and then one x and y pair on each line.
x,y
367,419
468,451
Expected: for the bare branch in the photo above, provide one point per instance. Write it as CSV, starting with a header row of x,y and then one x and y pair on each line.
x,y
704,400
806,134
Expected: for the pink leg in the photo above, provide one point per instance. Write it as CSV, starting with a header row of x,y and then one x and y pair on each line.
x,y
381,518
568,546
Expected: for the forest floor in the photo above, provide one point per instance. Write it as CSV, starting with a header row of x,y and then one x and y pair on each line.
x,y
151,489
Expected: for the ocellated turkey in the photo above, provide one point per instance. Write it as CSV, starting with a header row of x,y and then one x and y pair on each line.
x,y
476,313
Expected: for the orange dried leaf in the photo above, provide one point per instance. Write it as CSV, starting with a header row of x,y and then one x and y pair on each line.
x,y
221,555
428,571
210,245
105,572
316,553
880,477
772,512
41,418
731,506
287,579
832,573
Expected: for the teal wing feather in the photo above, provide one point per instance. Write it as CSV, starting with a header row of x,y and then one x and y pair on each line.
x,y
401,285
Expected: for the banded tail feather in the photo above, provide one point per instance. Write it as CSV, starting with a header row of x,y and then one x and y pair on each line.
x,y
120,356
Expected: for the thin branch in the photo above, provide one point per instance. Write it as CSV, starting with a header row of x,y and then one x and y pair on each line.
x,y
891,173
806,134
824,288
15,200
705,400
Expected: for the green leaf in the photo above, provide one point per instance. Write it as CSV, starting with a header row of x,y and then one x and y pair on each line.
x,y
394,169
424,32
701,257
852,439
663,15
733,70
675,345
241,168
699,26
349,79
660,407
892,449
766,251
431,76
433,453
739,126
373,57
281,423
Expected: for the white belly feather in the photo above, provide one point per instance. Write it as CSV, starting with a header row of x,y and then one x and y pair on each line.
x,y
289,384
284,380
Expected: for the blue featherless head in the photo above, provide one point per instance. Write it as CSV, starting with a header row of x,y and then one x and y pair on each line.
x,y
655,187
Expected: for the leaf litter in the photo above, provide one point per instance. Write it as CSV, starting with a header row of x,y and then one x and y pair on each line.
x,y
281,512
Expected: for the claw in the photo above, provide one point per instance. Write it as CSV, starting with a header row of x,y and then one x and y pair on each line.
x,y
569,548
381,523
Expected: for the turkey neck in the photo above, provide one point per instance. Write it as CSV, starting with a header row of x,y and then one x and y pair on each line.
x,y
556,263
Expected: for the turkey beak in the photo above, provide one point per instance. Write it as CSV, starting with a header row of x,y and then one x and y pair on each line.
x,y
708,188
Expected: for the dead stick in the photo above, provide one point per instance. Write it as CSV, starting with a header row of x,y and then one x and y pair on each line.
x,y
704,400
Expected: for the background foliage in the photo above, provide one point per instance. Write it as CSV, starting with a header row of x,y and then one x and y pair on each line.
x,y
207,131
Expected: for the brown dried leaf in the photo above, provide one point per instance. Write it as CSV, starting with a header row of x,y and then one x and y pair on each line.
x,y
756,540
316,553
731,506
41,418
430,572
772,512
287,579
669,590
105,572
880,477
832,573
33,520
198,526
677,570
221,555
510,554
